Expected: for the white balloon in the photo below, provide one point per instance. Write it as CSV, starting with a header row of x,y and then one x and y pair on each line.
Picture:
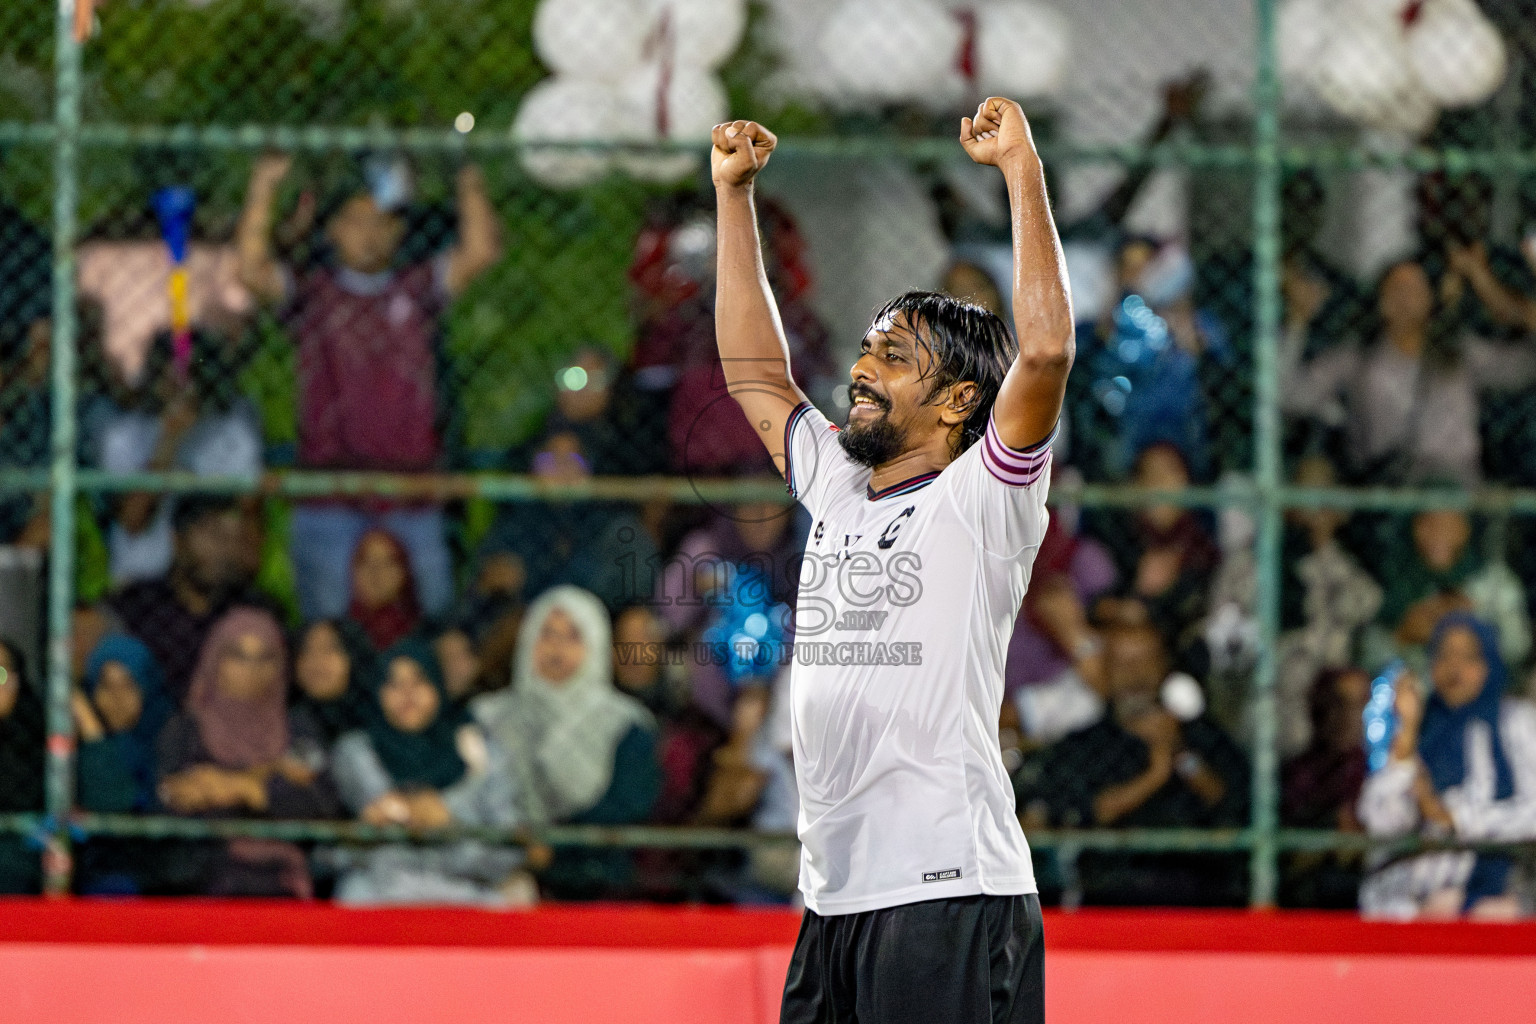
x,y
889,49
323,19
603,40
1021,49
1380,9
1414,115
704,32
568,110
680,104
1365,76
1456,52
1304,28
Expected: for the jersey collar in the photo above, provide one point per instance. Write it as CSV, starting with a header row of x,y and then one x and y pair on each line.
x,y
904,487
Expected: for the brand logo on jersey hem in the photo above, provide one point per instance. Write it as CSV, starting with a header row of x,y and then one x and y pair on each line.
x,y
941,876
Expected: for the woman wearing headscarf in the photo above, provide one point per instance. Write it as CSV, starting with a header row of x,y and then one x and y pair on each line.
x,y
384,599
1463,766
236,752
333,664
21,768
584,753
333,667
118,714
585,750
417,764
1438,568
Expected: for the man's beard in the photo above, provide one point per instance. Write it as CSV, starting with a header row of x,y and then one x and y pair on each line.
x,y
872,444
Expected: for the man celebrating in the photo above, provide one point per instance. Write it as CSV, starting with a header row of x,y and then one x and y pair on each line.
x,y
928,507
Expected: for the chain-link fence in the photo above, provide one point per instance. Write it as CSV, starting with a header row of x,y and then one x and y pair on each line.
x,y
334,334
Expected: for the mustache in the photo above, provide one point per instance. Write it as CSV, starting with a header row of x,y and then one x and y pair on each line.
x,y
857,391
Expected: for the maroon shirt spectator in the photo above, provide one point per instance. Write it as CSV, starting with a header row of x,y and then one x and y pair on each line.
x,y
1319,786
368,366
365,328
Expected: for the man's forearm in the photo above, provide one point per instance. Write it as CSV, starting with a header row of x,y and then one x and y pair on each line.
x,y
1506,305
1042,307
747,325
1203,781
479,227
257,269
1116,802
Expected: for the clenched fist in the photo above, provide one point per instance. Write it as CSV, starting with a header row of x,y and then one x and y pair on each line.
x,y
741,149
998,133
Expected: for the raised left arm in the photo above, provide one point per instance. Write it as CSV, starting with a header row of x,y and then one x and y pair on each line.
x,y
479,244
1029,403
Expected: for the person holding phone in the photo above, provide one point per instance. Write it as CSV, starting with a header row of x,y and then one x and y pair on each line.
x,y
1463,766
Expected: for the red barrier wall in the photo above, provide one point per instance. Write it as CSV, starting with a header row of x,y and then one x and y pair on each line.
x,y
186,962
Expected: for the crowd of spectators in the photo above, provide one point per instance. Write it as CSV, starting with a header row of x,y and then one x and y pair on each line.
x,y
543,665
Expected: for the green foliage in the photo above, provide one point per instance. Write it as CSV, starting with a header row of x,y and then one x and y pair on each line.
x,y
269,381
396,63
338,62
275,577
561,284
93,575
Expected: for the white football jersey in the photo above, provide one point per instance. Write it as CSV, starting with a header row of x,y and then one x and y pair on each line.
x,y
907,600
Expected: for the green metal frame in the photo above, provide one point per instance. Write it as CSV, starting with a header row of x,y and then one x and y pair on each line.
x,y
1264,865
1267,496
59,783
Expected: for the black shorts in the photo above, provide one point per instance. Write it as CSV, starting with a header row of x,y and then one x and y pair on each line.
x,y
966,960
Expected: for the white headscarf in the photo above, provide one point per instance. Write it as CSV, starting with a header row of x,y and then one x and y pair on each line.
x,y
563,736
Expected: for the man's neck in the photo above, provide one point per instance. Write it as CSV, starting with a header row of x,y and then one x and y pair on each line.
x,y
930,458
1407,340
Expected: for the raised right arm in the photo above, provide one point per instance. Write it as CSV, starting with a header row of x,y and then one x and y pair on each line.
x,y
753,350
259,269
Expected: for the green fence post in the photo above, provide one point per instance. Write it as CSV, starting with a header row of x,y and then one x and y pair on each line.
x,y
61,568
1266,287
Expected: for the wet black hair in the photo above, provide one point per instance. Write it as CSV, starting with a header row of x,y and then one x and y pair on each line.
x,y
967,342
